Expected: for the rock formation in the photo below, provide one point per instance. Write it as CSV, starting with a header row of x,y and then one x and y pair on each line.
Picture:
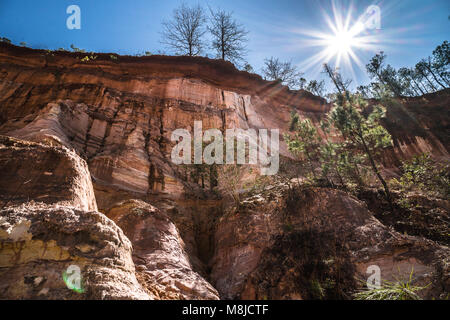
x,y
90,182
159,252
42,237
270,247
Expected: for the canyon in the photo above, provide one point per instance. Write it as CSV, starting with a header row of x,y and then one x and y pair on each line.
x,y
87,179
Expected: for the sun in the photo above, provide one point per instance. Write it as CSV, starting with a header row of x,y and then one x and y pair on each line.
x,y
343,42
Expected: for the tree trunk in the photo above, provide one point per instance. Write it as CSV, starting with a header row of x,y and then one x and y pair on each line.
x,y
417,85
434,77
310,164
443,79
358,175
340,177
222,42
333,79
431,83
375,169
380,79
424,88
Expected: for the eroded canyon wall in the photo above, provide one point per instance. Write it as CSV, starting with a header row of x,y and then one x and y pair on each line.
x,y
116,116
119,114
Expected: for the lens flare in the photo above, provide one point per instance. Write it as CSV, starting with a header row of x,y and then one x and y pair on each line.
x,y
342,42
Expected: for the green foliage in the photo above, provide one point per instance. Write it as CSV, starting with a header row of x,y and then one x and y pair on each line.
x,y
399,290
305,138
329,156
364,137
294,120
113,57
339,163
386,75
304,142
441,61
201,174
342,163
423,173
317,290
49,52
360,130
417,170
347,159
428,75
349,119
4,39
89,58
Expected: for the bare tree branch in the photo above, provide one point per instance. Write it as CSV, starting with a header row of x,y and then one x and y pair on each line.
x,y
284,72
228,36
184,32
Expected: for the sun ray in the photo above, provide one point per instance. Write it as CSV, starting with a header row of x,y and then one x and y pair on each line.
x,y
344,41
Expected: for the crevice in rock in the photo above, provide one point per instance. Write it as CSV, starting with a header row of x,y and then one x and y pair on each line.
x,y
224,120
152,177
245,111
155,176
88,136
205,218
161,131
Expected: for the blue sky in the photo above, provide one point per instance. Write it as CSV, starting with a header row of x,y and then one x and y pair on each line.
x,y
410,29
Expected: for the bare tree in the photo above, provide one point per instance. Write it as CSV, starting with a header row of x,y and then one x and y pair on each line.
x,y
231,181
185,30
228,36
340,84
302,83
284,72
316,87
247,67
364,91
